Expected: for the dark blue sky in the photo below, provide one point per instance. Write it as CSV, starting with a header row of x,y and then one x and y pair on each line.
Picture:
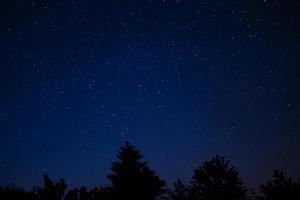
x,y
181,80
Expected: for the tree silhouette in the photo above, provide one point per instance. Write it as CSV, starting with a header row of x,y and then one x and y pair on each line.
x,y
51,191
81,194
104,193
72,195
179,192
216,180
12,192
132,179
280,188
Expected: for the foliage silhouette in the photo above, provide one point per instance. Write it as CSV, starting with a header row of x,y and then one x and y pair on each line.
x,y
132,178
180,191
51,191
217,180
72,195
104,193
13,193
280,188
81,194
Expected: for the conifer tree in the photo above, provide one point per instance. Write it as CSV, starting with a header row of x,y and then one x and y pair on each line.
x,y
217,180
132,178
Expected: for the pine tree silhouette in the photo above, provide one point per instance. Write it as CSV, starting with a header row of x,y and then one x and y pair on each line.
x,y
132,179
216,180
280,188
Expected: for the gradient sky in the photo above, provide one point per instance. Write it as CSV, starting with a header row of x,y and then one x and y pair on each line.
x,y
181,80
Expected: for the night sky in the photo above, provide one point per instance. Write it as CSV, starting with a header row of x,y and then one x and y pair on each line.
x,y
182,80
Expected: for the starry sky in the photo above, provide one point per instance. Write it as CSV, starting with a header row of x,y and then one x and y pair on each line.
x,y
181,80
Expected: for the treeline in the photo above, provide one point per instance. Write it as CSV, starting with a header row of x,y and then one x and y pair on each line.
x,y
132,179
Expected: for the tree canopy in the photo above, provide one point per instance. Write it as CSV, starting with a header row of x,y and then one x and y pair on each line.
x,y
132,179
217,180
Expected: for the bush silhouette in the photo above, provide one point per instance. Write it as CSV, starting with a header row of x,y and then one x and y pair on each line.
x,y
132,178
216,180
